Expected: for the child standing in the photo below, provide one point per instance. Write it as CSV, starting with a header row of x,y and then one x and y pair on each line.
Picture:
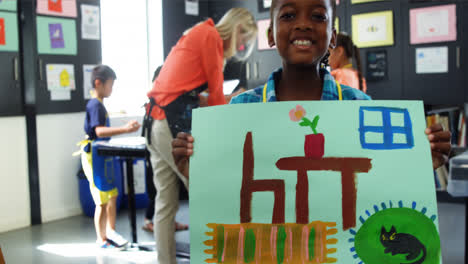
x,y
302,31
97,127
341,62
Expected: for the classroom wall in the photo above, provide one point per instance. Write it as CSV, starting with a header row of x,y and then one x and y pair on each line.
x,y
57,135
175,21
14,186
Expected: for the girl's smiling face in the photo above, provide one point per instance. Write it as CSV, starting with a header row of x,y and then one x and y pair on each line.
x,y
302,30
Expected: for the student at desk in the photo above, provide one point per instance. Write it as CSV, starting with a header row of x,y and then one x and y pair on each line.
x,y
97,127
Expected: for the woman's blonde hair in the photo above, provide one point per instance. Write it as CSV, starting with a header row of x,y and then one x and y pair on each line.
x,y
227,29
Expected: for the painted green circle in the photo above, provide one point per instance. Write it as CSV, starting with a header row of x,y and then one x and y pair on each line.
x,y
367,240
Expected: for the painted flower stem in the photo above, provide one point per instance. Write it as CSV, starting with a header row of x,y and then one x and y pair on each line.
x,y
311,124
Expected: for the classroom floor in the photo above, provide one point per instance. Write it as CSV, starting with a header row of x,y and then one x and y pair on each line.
x,y
71,240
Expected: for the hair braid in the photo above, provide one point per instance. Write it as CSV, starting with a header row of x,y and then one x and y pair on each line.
x,y
357,58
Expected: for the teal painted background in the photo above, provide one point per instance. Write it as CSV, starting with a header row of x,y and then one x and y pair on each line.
x,y
216,166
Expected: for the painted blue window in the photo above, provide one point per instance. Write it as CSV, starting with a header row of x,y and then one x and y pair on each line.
x,y
385,128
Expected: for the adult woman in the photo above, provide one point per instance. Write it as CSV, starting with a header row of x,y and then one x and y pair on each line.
x,y
194,64
341,62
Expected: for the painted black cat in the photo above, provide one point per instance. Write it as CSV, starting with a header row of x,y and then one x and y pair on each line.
x,y
400,243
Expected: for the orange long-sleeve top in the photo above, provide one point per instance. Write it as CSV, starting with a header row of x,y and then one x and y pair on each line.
x,y
196,59
349,77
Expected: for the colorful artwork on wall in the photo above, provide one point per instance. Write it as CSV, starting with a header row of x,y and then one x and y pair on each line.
x,y
8,32
56,36
9,5
373,29
433,24
63,8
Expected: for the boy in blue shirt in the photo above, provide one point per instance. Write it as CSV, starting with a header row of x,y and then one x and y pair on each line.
x,y
97,127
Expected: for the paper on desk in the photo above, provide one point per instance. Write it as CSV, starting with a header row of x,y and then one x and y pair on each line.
x,y
127,141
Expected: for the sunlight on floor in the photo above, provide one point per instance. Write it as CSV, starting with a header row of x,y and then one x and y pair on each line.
x,y
77,250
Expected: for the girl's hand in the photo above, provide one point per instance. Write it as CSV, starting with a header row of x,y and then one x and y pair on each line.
x,y
182,149
440,144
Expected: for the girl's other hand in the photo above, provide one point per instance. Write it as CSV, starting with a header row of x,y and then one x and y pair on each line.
x,y
182,149
440,144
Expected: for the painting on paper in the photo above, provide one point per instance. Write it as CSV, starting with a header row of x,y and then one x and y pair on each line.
x,y
313,182
373,29
9,39
60,77
433,24
2,32
63,8
56,36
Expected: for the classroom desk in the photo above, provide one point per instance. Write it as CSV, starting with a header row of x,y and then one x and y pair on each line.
x,y
129,153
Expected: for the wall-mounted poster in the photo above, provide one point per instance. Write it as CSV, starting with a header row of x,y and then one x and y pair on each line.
x,y
9,5
8,32
64,8
376,65
60,81
90,22
56,36
191,7
432,60
373,29
313,182
2,32
263,34
87,86
363,1
60,77
433,24
264,5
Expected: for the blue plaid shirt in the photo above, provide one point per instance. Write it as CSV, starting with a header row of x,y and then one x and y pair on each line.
x,y
330,90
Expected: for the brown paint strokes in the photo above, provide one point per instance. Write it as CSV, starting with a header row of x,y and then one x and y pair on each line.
x,y
249,186
348,168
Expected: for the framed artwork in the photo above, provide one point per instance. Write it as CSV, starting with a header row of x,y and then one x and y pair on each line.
x,y
56,36
425,1
9,5
264,5
62,8
376,65
9,32
373,29
433,24
363,1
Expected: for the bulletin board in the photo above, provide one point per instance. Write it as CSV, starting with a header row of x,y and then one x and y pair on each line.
x,y
85,52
